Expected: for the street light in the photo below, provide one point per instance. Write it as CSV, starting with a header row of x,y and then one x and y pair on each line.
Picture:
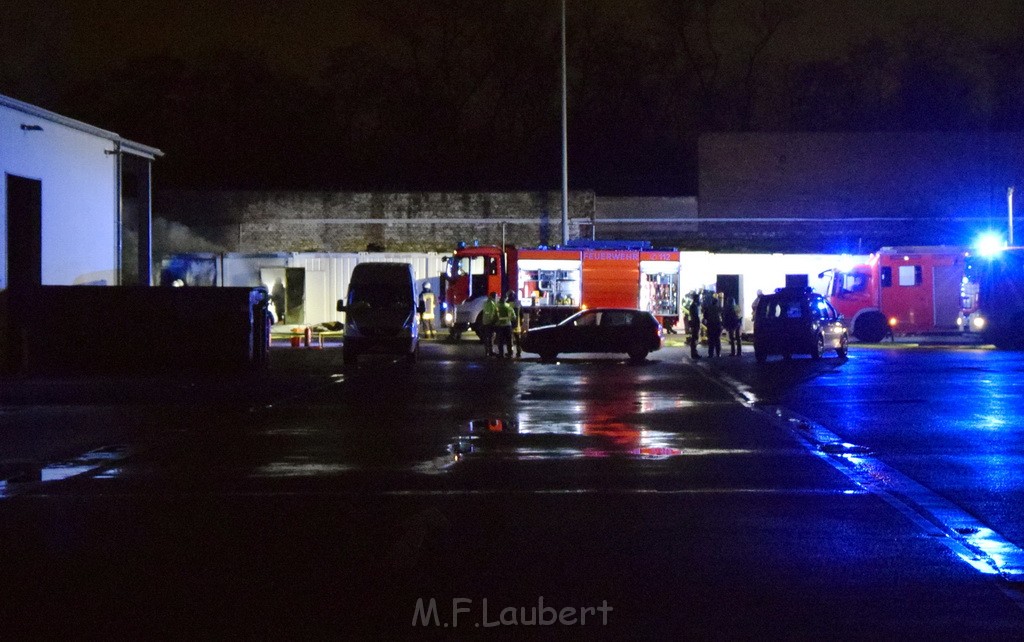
x,y
565,144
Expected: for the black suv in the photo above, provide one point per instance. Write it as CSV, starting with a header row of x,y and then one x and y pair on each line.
x,y
797,321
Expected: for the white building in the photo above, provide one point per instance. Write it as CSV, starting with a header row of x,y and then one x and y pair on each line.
x,y
75,202
742,276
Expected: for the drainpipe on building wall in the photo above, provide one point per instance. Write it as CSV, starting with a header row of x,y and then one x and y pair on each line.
x,y
118,250
147,277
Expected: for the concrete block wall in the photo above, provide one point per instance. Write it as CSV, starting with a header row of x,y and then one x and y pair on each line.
x,y
346,222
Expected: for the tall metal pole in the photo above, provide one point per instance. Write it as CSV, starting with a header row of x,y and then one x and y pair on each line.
x,y
1009,213
565,143
504,263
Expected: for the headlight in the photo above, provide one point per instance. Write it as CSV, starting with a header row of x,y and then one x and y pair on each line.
x,y
978,323
449,317
893,321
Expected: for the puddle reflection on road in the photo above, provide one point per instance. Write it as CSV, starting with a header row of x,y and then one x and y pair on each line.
x,y
616,428
596,433
301,467
99,459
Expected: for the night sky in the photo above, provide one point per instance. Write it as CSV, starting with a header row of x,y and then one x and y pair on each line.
x,y
464,94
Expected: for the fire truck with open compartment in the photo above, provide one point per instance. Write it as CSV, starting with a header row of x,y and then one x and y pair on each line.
x,y
901,290
553,283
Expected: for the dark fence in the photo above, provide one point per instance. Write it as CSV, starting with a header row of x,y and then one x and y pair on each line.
x,y
76,329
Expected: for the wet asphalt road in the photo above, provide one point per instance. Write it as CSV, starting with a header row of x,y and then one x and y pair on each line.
x,y
841,499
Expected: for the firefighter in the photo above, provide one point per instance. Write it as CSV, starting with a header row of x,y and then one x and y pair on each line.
x,y
487,319
693,322
505,318
753,305
713,322
732,321
519,326
426,310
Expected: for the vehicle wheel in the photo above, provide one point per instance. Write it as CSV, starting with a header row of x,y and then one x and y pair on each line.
x,y
349,355
760,355
844,347
548,356
454,334
412,356
477,326
819,347
637,355
870,327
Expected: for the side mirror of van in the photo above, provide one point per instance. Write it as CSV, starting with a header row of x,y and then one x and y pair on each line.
x,y
341,305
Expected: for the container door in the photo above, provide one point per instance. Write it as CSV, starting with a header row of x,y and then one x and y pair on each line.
x,y
319,302
946,281
273,279
730,285
295,294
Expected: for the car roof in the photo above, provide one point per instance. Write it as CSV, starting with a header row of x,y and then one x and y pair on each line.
x,y
594,310
794,293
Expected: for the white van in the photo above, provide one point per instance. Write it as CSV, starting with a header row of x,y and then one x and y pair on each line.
x,y
380,311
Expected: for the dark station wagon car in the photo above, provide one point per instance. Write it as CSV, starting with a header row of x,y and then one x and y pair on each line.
x,y
633,332
797,321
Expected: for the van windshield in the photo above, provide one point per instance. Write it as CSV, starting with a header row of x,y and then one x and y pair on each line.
x,y
379,295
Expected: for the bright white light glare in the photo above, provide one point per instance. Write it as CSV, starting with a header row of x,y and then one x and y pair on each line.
x,y
978,323
845,263
989,244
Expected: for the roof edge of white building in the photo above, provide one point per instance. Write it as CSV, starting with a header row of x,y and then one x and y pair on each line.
x,y
126,145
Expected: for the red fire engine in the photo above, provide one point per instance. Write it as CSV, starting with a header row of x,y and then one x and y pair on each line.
x,y
903,290
553,283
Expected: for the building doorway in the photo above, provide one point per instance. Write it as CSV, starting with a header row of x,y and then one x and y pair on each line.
x,y
729,285
24,232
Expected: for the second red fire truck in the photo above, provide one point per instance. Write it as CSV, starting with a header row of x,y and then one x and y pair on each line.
x,y
902,290
553,283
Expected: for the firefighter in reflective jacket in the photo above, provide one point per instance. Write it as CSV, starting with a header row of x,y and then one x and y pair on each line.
x,y
426,310
504,319
487,319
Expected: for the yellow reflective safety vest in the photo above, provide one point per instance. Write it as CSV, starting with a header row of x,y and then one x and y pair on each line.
x,y
490,311
506,314
428,300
